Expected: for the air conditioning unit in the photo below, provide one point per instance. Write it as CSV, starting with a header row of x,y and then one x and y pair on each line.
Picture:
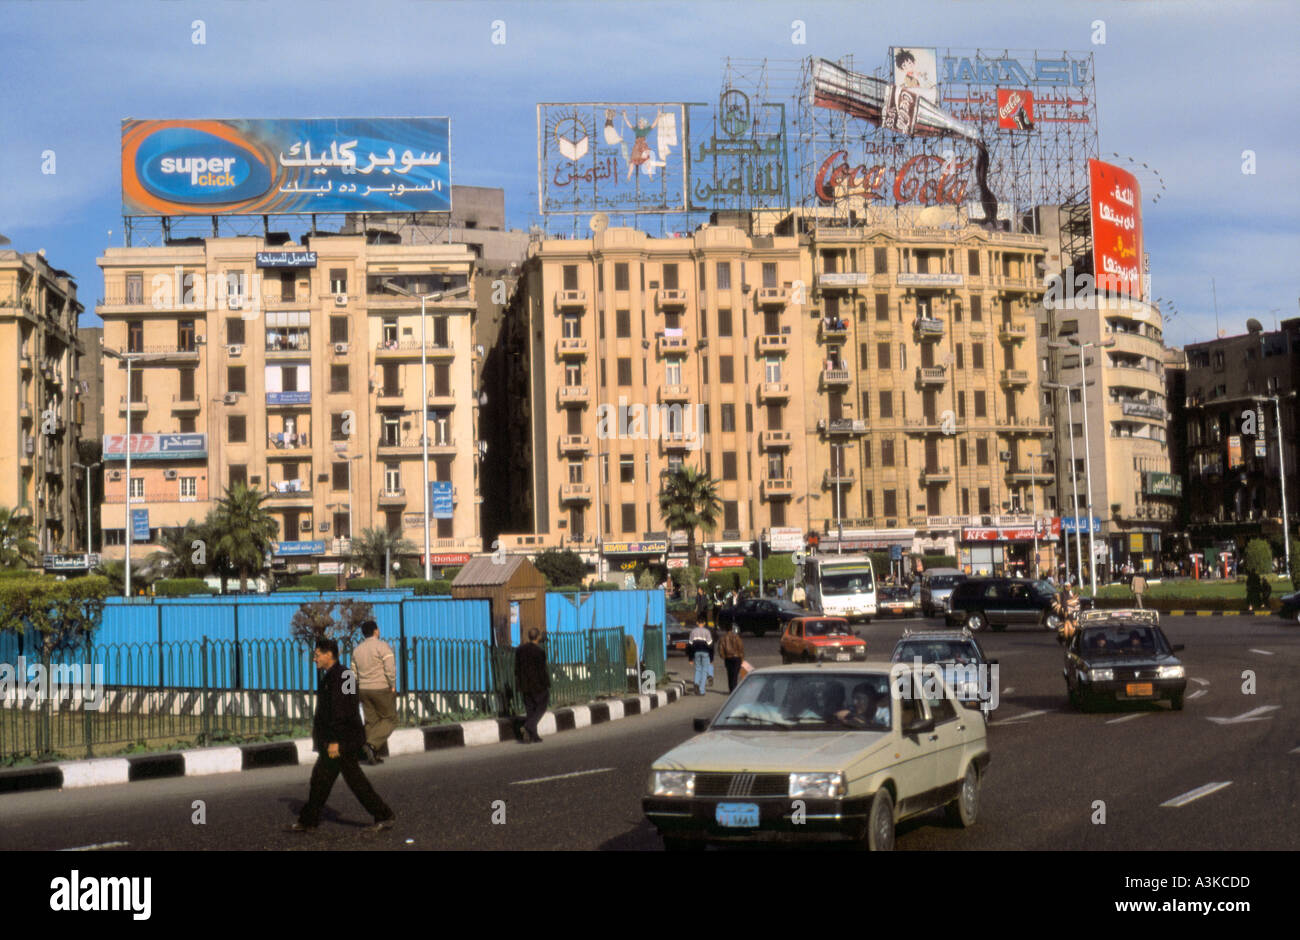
x,y
115,474
340,300
341,348
1004,455
325,526
235,350
169,474
305,525
230,398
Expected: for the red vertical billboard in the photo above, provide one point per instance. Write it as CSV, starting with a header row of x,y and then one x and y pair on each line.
x,y
1116,230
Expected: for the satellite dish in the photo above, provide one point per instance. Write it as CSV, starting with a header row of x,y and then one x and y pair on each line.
x,y
599,222
1254,326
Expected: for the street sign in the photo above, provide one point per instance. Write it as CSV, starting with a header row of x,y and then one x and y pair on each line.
x,y
440,499
139,525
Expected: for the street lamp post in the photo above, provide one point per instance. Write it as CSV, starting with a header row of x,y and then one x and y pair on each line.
x,y
88,467
839,506
1281,466
1087,452
1074,479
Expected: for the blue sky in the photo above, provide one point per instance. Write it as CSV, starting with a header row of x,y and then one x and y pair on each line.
x,y
1184,87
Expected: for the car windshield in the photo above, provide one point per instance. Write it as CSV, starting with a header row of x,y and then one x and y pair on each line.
x,y
942,582
788,607
809,701
1123,640
938,651
825,628
847,582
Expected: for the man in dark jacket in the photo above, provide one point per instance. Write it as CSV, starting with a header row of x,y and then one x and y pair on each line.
x,y
533,679
338,735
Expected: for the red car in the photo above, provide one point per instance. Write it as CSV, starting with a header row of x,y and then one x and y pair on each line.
x,y
814,639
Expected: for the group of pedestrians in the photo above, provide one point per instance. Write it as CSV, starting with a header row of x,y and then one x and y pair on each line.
x,y
704,643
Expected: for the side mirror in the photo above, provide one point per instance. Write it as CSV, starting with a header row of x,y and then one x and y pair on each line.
x,y
919,726
1178,647
701,724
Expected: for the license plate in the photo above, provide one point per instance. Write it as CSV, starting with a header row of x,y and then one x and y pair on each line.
x,y
1138,688
842,657
737,815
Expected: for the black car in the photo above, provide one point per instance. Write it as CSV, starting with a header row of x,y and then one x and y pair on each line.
x,y
999,602
678,636
965,665
1123,656
1290,606
759,615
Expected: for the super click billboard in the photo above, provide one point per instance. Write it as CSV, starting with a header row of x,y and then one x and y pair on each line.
x,y
269,167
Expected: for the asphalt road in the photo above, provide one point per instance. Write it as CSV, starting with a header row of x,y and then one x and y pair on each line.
x,y
582,789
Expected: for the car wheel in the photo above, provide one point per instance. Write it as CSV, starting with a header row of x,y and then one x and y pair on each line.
x,y
880,823
682,845
1176,700
976,622
962,811
1297,615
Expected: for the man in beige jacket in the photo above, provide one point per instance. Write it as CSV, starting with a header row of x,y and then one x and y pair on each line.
x,y
376,670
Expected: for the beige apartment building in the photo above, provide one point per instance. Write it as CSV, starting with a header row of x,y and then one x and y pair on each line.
x,y
636,355
294,368
42,404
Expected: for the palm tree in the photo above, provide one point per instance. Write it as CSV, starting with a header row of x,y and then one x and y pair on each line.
x,y
242,531
689,498
175,557
375,545
17,549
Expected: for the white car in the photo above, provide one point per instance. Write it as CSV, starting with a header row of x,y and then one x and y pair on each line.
x,y
827,751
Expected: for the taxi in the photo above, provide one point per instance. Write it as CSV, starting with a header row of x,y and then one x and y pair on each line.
x,y
815,638
1122,656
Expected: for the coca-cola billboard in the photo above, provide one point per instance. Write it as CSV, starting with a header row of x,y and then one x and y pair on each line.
x,y
1116,229
1015,109
925,179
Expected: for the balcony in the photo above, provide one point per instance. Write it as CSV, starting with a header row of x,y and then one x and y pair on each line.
x,y
770,344
25,362
571,347
1011,333
842,478
141,404
575,444
282,441
670,299
842,281
840,426
1031,426
774,391
341,546
835,376
674,345
1007,283
1021,475
834,329
575,493
403,349
287,399
571,396
390,398
773,296
680,440
936,476
570,299
444,399
778,487
185,405
775,440
674,393
1014,378
392,497
287,345
928,328
931,375
297,489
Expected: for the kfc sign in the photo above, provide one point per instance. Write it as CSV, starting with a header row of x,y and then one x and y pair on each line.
x,y
915,181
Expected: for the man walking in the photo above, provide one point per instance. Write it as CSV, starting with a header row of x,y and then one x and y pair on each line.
x,y
533,679
702,652
337,735
376,670
732,650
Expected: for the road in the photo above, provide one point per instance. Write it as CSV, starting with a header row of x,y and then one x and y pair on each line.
x,y
1051,770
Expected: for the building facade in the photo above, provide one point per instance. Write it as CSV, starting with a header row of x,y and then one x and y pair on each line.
x,y
296,369
43,401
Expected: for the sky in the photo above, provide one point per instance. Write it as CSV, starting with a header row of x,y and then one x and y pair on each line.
x,y
1187,88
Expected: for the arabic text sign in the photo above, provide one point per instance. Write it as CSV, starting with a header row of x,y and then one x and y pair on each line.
x,y
264,167
738,158
1116,229
156,446
139,525
1162,484
284,549
286,259
603,156
440,499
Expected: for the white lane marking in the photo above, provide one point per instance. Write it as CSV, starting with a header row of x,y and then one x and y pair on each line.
x,y
1115,721
1255,714
1007,721
1197,694
1196,794
576,773
1200,681
1261,652
96,847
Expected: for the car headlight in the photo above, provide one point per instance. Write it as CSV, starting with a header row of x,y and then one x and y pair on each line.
x,y
1170,672
672,783
817,786
1101,675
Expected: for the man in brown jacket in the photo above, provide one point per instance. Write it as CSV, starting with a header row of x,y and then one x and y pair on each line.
x,y
376,670
732,650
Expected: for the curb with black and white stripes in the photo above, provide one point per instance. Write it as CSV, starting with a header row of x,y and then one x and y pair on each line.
x,y
71,775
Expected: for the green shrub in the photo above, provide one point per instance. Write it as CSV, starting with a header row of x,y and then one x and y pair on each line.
x,y
365,584
687,580
318,582
938,561
6,573
182,587
1295,569
1259,558
605,586
442,587
449,574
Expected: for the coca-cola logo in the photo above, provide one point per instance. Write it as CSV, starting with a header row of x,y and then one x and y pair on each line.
x,y
922,178
1013,102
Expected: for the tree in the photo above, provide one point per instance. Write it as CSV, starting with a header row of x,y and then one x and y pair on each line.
x,y
315,620
114,571
689,500
17,547
175,557
566,567
243,531
378,545
1258,563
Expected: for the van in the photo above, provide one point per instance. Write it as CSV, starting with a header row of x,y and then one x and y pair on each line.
x,y
936,587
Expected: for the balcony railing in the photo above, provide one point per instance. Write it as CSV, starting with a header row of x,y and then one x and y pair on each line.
x,y
392,495
843,477
575,493
390,397
678,393
575,443
928,327
936,475
833,328
773,296
835,375
571,346
287,441
570,299
289,488
931,375
782,487
673,344
569,396
1014,378
185,404
141,403
775,440
288,343
1012,333
670,298
774,391
836,426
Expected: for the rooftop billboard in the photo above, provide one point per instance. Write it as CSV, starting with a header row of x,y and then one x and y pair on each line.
x,y
270,167
1116,229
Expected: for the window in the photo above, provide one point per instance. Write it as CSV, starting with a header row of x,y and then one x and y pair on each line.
x,y
288,285
880,260
882,356
235,330
724,322
236,429
575,471
973,263
627,469
982,452
726,369
629,517
186,424
623,324
985,503
729,465
977,355
963,459
730,514
187,385
886,405
392,477
864,356
338,378
670,277
956,311
724,279
887,452
882,305
769,274
772,370
728,417
980,403
624,370
620,276
890,502
673,371
976,309
338,281
337,422
442,379
235,284
288,330
338,329
135,288
135,336
570,277
185,335
137,488
571,326
340,476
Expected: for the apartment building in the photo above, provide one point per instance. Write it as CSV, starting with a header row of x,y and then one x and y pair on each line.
x,y
43,402
921,391
636,355
296,369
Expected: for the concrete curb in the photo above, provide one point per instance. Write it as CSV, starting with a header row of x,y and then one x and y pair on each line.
x,y
1219,613
220,760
